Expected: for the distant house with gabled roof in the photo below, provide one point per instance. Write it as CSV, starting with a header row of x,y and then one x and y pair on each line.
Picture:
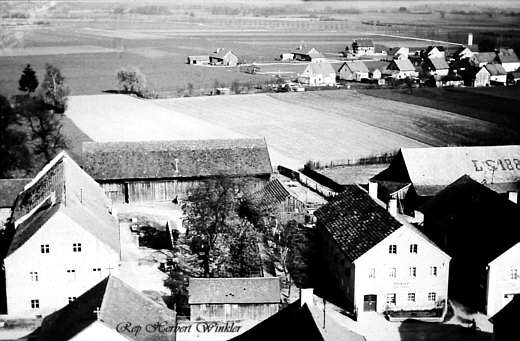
x,y
417,174
308,55
379,261
474,225
401,69
220,299
480,59
165,170
223,57
64,226
318,74
436,66
434,52
497,74
361,47
353,70
509,60
100,312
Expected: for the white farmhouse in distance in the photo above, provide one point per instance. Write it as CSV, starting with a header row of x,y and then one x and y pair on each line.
x,y
66,240
379,261
318,74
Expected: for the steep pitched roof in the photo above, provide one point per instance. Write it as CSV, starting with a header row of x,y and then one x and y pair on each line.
x,y
176,159
117,302
431,169
355,221
472,214
355,66
234,290
373,65
508,56
509,313
323,68
439,63
75,194
496,69
404,65
220,53
277,191
485,57
9,189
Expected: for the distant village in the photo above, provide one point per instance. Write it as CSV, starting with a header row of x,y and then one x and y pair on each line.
x,y
362,61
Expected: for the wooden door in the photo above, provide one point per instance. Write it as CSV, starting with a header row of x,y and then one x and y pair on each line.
x,y
370,303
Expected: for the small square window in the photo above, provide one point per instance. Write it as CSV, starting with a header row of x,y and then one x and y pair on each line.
x,y
413,271
514,274
392,273
433,270
44,248
411,297
372,273
432,296
76,247
34,276
392,249
391,298
72,299
35,304
413,248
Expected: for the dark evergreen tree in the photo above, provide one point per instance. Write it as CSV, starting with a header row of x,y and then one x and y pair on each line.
x,y
28,81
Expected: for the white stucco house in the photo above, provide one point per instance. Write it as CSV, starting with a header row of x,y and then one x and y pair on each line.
x,y
66,240
379,261
318,74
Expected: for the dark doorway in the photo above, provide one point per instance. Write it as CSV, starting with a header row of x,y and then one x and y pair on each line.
x,y
370,303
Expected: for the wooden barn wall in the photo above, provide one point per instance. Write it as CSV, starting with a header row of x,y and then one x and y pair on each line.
x,y
159,190
224,312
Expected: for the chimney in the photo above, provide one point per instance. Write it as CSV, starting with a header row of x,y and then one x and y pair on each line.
x,y
372,189
470,39
392,206
513,196
306,296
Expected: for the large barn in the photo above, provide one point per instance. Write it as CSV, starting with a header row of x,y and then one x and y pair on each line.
x,y
417,174
166,170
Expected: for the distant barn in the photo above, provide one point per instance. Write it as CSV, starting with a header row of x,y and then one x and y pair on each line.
x,y
165,170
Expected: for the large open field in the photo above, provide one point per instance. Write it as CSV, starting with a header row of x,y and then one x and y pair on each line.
x,y
324,126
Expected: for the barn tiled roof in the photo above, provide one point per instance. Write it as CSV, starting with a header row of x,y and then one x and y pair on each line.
x,y
317,68
117,302
9,189
496,69
81,199
404,65
234,290
508,56
356,66
439,63
355,221
274,193
486,57
431,169
373,65
157,159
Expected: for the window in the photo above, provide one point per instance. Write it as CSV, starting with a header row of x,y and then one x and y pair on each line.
x,y
34,276
433,270
372,273
392,273
72,299
44,248
514,274
35,304
390,298
413,271
411,297
72,274
96,269
76,247
432,296
392,249
413,248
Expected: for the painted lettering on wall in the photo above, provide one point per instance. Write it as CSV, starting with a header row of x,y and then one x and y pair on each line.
x,y
496,165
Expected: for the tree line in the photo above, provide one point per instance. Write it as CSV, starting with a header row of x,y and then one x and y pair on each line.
x,y
31,122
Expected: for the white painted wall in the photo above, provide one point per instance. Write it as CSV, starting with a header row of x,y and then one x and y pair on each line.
x,y
98,331
379,259
500,281
54,285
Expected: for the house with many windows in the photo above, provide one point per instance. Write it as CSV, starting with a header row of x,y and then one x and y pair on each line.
x,y
378,260
66,240
477,227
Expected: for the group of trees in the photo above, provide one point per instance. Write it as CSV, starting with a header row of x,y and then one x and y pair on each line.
x,y
133,82
31,123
